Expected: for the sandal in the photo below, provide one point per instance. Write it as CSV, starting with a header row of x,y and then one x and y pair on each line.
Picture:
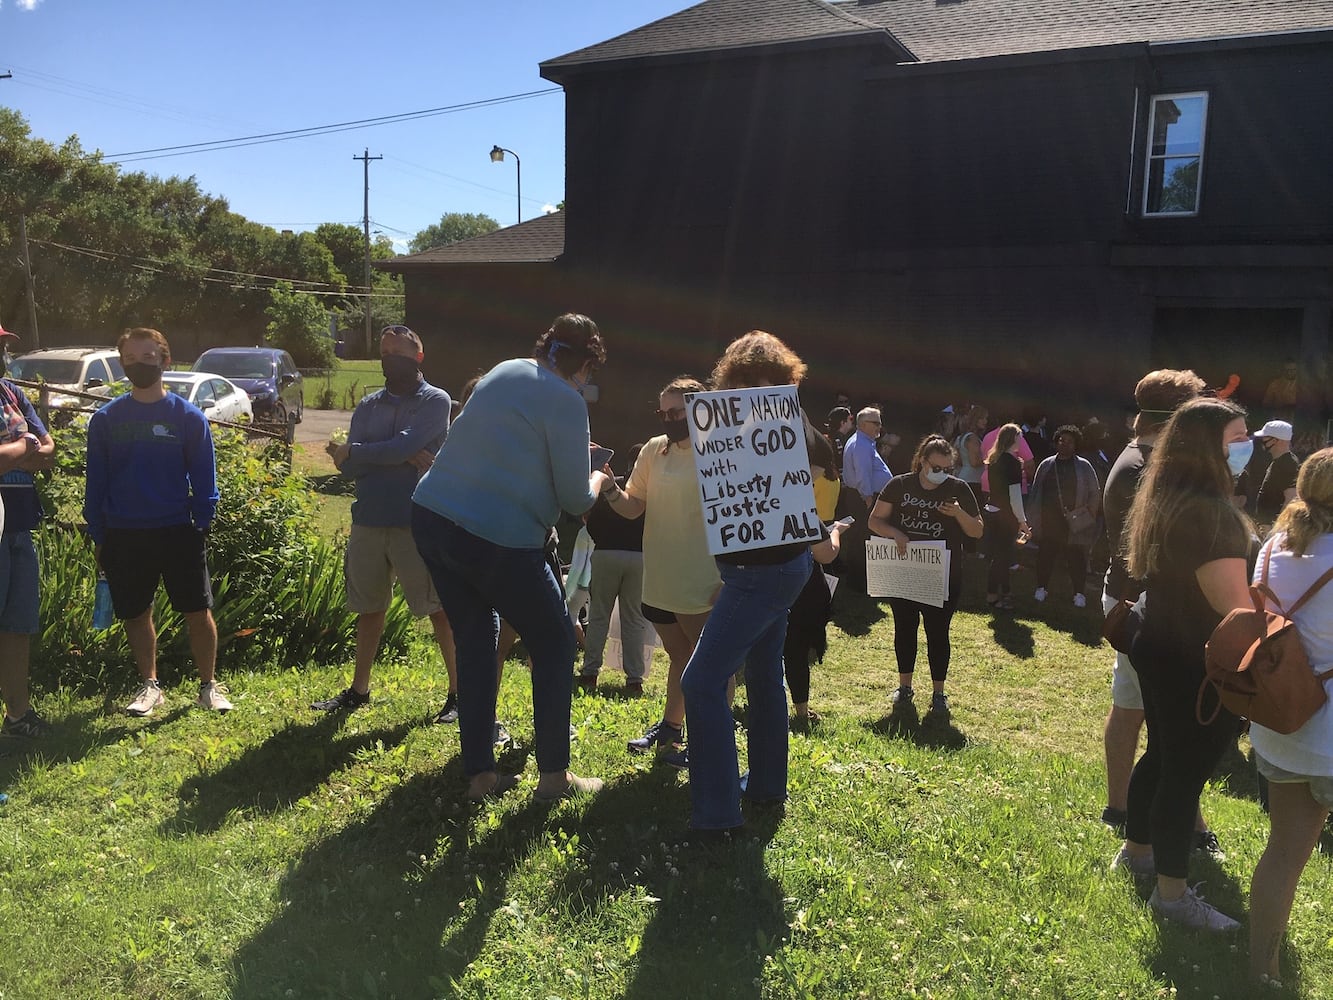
x,y
574,786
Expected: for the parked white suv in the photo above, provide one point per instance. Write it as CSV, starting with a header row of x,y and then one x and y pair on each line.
x,y
83,369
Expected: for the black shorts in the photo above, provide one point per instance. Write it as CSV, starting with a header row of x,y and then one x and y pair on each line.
x,y
657,616
134,559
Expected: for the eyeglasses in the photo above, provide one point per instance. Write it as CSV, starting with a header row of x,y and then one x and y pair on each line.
x,y
941,468
873,423
675,413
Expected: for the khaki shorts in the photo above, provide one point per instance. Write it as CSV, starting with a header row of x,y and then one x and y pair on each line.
x,y
1125,690
375,556
1321,785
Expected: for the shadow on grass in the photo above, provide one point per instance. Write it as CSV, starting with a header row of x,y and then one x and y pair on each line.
x,y
906,723
362,914
76,736
854,612
275,774
718,914
1240,779
1012,635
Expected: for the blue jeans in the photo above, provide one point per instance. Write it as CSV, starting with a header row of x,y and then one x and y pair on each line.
x,y
478,583
748,625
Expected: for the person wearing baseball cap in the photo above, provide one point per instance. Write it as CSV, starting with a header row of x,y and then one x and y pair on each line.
x,y
1279,485
25,448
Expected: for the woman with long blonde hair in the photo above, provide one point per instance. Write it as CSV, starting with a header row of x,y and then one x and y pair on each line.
x,y
1299,765
1189,545
1007,521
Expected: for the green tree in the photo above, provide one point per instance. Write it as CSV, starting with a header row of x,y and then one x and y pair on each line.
x,y
299,325
452,227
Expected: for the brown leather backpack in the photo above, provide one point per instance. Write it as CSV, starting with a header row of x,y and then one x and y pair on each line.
x,y
1257,665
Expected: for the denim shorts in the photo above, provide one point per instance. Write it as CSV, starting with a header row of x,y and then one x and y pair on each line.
x,y
1321,785
20,604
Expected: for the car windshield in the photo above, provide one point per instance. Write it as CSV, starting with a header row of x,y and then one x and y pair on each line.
x,y
180,386
63,371
236,364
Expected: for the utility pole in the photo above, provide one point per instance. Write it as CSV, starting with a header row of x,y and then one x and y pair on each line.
x,y
27,280
365,158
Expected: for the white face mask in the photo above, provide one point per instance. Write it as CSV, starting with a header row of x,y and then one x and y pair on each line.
x,y
936,477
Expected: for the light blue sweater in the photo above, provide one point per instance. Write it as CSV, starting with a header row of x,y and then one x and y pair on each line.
x,y
515,457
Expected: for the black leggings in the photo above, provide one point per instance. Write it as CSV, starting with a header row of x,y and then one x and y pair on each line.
x,y
1167,781
1055,543
907,615
1002,539
796,663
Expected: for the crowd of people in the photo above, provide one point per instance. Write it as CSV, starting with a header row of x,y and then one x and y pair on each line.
x,y
459,506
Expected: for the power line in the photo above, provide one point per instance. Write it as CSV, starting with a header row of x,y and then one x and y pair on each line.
x,y
186,149
107,256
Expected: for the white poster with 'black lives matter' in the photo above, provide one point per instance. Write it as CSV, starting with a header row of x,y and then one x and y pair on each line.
x,y
753,468
920,574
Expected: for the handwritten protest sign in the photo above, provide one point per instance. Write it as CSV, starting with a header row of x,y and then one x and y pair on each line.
x,y
921,575
754,472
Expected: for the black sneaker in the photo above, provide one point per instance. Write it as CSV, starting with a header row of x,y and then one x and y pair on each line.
x,y
902,697
343,701
449,713
658,734
31,726
1205,842
501,735
1115,819
939,706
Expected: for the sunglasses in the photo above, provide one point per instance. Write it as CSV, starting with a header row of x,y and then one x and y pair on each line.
x,y
675,413
940,468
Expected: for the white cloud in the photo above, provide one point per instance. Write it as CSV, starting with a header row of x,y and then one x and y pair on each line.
x,y
548,208
28,4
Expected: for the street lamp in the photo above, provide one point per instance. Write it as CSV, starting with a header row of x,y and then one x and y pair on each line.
x,y
498,156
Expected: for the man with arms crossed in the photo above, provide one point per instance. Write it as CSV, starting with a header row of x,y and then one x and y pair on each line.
x,y
149,501
393,439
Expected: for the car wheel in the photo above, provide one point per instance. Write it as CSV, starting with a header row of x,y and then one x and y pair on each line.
x,y
290,435
300,408
278,420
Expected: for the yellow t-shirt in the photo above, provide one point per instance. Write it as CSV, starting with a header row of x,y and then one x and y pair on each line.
x,y
679,575
826,497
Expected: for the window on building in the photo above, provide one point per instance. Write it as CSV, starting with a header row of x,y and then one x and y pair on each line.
x,y
1176,126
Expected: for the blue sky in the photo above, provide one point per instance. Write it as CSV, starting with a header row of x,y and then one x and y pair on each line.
x,y
141,74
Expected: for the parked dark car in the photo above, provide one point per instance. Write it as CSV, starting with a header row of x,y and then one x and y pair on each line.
x,y
268,376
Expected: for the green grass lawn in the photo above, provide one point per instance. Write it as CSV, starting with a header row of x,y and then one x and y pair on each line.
x,y
347,382
275,853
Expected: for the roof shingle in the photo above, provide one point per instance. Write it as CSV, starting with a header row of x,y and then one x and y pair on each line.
x,y
538,240
929,31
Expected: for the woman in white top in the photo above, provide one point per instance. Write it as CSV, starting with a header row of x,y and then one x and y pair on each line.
x,y
1298,766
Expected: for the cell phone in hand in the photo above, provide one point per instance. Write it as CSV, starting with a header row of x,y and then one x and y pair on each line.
x,y
845,521
600,457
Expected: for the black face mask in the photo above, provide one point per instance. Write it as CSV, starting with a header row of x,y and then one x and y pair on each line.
x,y
677,430
400,373
143,375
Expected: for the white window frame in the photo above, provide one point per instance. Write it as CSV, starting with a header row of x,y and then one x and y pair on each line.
x,y
1149,158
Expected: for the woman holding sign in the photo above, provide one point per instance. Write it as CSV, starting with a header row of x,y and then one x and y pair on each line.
x,y
748,625
928,504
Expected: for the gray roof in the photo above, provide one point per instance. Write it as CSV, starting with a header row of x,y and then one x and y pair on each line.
x,y
943,30
536,241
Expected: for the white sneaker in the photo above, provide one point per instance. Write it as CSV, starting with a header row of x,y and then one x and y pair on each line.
x,y
147,698
1192,911
213,696
1039,594
1080,601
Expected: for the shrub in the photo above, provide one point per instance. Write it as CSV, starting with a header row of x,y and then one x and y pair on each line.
x,y
278,588
299,325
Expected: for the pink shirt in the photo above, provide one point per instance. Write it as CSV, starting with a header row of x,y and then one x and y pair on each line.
x,y
1023,451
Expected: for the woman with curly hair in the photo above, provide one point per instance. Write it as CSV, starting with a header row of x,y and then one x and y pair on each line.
x,y
1298,766
517,455
1065,484
748,627
1189,545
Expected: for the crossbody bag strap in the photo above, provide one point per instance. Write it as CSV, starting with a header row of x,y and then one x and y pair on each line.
x,y
1314,589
